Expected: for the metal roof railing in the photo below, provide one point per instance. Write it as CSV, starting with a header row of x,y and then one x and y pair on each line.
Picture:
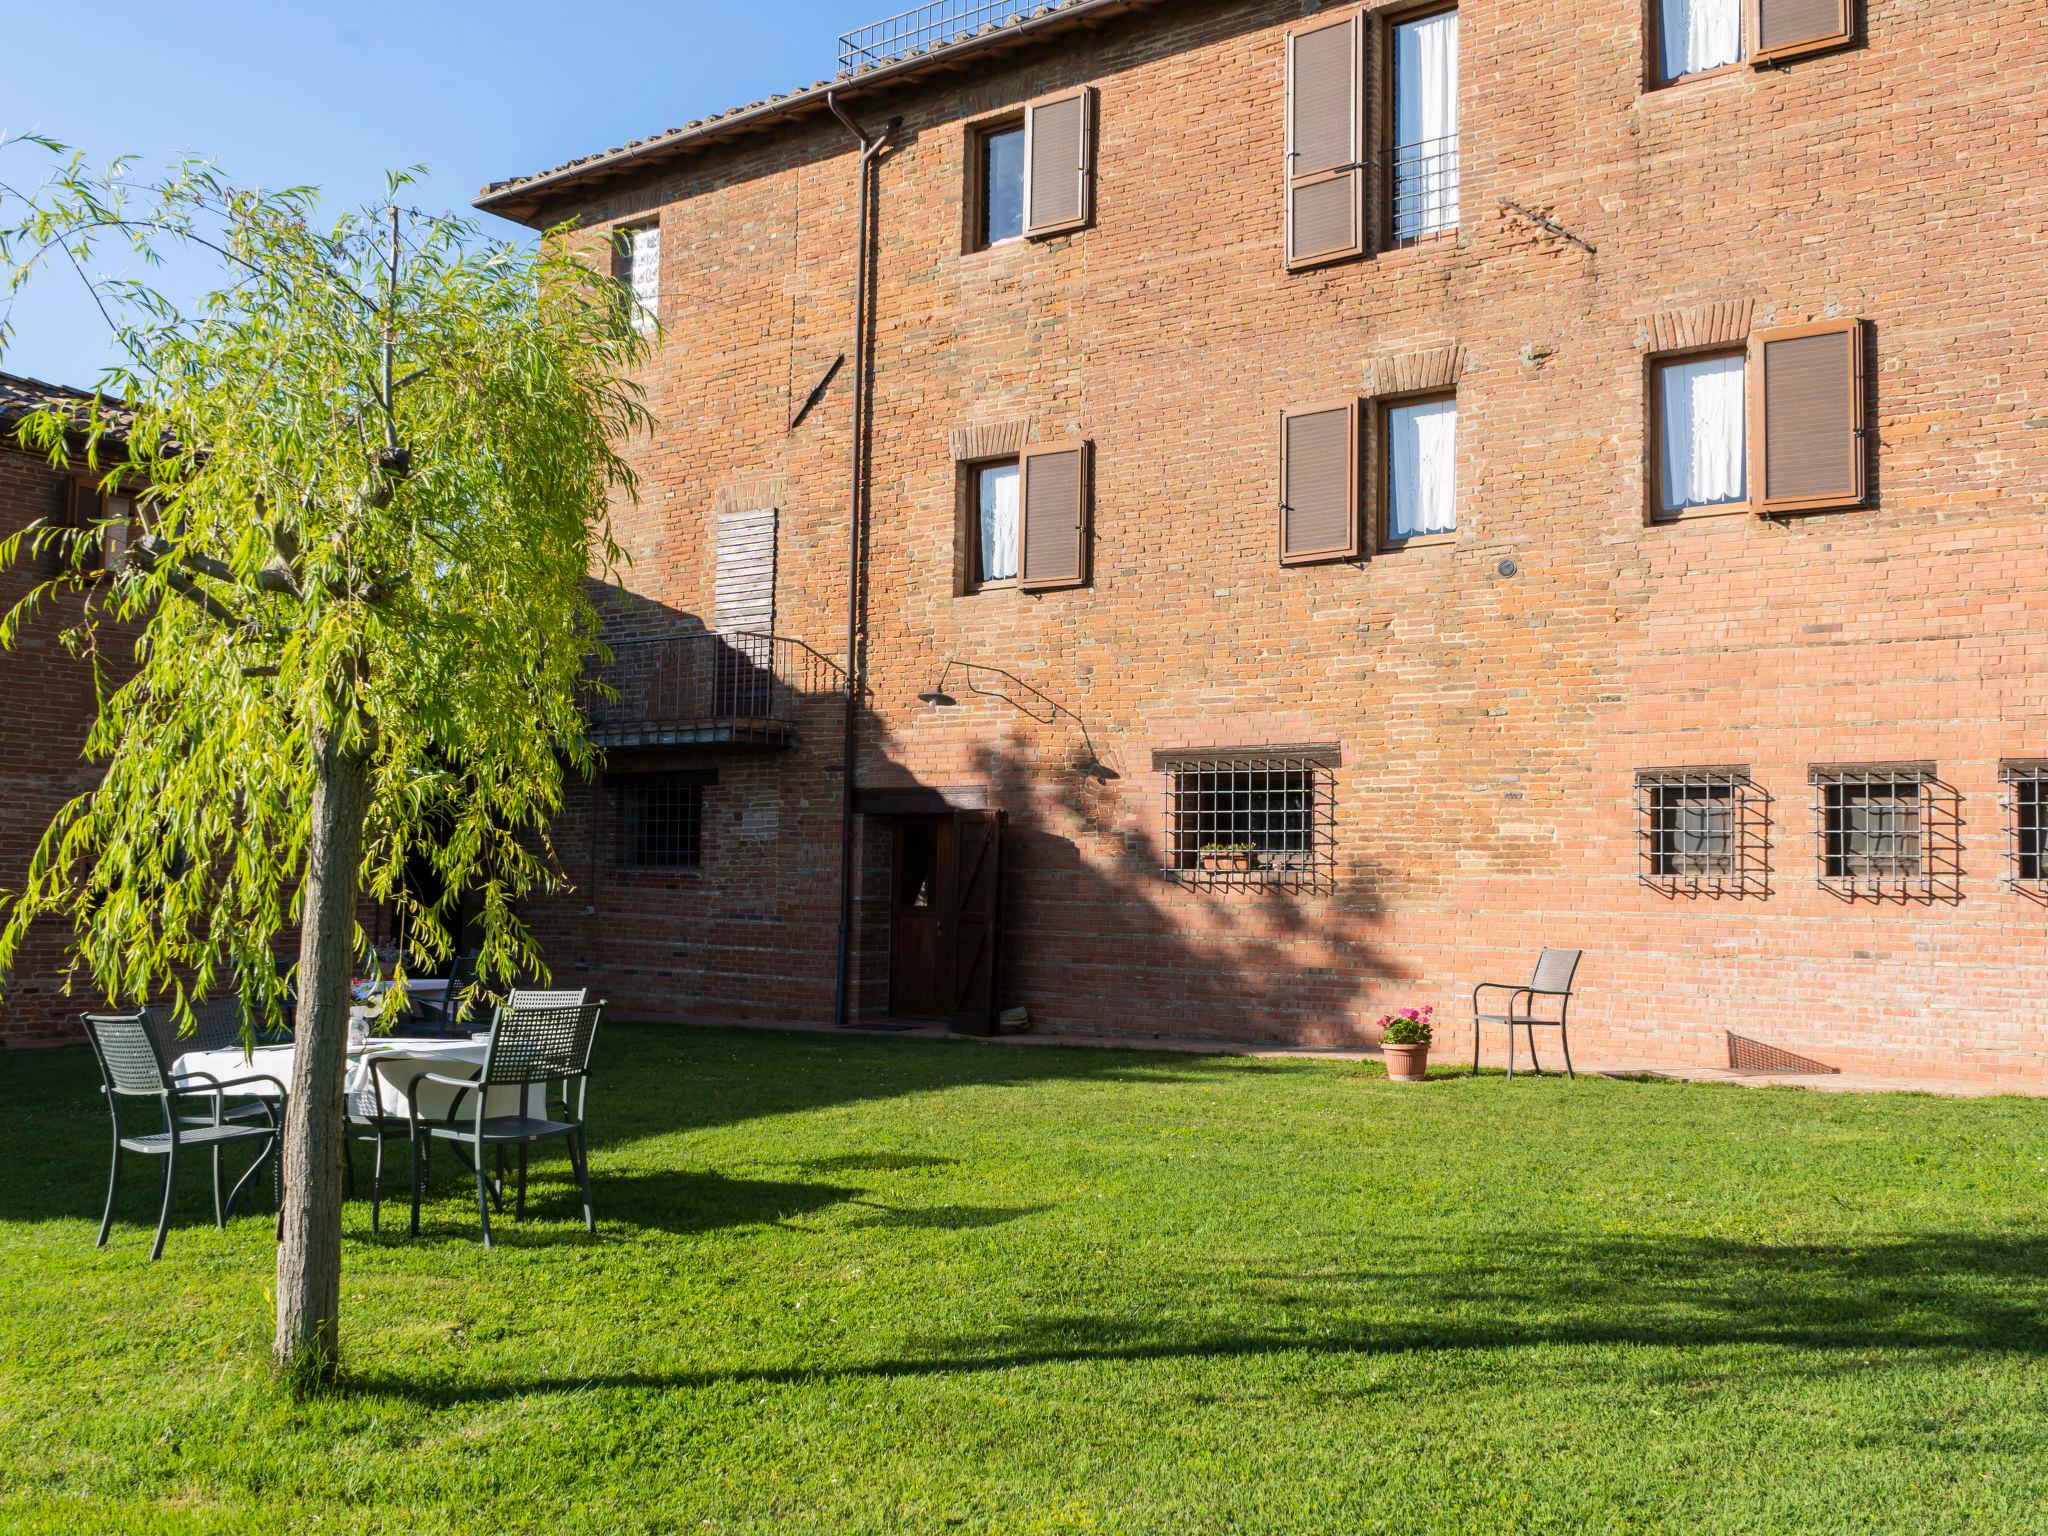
x,y
924,27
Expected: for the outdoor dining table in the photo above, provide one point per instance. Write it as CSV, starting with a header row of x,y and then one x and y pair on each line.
x,y
391,1061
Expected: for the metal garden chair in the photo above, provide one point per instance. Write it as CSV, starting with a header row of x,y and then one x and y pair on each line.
x,y
540,1040
132,1066
1555,969
446,1016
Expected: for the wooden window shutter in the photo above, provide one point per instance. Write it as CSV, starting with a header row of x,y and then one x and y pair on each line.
x,y
1326,141
1806,414
1059,162
1785,29
1052,533
1319,484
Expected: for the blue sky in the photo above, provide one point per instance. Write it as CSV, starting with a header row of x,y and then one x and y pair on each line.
x,y
310,91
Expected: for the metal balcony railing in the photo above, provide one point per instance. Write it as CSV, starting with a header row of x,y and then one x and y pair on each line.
x,y
924,27
1425,191
706,690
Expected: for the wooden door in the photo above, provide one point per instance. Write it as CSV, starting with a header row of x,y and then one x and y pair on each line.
x,y
920,902
975,930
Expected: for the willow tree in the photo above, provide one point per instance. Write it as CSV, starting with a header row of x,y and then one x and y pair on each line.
x,y
368,475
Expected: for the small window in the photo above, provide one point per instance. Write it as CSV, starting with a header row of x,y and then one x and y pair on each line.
x,y
2026,809
1252,820
1700,434
1887,830
998,190
991,517
1701,831
660,820
638,266
1423,55
1419,484
1691,37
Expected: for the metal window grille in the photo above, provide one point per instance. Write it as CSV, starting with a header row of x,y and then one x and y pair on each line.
x,y
658,820
1250,822
923,28
1887,830
2026,825
1702,832
1425,190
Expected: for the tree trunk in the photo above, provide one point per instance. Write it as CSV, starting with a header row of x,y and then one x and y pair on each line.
x,y
306,1348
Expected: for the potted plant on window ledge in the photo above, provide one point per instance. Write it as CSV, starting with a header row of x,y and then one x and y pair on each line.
x,y
1404,1043
1229,858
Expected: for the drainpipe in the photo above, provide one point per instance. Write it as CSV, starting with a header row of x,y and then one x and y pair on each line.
x,y
871,147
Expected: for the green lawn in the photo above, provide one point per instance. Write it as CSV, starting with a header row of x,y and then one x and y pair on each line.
x,y
870,1285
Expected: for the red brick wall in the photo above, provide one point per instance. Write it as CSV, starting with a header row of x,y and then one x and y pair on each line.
x,y
46,704
1490,725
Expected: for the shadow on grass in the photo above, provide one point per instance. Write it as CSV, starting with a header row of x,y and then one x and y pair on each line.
x,y
1937,1293
941,1218
678,1201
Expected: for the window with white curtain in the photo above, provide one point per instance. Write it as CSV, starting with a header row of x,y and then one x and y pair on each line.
x,y
639,268
1421,438
995,505
1425,124
1702,448
1696,35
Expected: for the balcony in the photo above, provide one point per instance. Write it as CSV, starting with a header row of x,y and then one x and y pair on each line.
x,y
706,690
923,28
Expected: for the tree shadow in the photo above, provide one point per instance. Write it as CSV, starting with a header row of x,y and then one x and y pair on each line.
x,y
941,1218
1826,1306
684,1202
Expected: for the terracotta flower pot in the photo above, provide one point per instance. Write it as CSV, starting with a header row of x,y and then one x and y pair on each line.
x,y
1406,1063
1227,862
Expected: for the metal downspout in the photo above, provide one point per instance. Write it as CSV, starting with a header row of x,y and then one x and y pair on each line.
x,y
871,146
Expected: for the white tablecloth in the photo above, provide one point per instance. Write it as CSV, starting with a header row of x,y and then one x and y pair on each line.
x,y
394,1061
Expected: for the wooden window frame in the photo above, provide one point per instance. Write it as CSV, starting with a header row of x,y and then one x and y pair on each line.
x,y
1761,58
974,223
1357,546
1382,124
1759,426
1084,514
967,476
1086,95
1359,19
1653,430
1653,50
1382,539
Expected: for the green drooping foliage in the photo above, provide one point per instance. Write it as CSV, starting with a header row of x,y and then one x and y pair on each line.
x,y
358,489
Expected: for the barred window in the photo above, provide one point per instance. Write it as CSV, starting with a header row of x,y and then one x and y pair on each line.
x,y
1250,819
1702,831
1888,829
2026,812
659,820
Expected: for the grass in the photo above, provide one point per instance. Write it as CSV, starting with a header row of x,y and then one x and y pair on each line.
x,y
859,1285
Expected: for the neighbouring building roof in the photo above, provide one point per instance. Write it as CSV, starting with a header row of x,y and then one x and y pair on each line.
x,y
524,198
21,396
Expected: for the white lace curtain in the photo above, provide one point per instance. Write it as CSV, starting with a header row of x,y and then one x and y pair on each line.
x,y
643,274
1422,469
1704,455
1695,35
1426,124
998,491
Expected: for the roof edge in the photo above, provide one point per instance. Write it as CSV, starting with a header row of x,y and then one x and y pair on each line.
x,y
521,199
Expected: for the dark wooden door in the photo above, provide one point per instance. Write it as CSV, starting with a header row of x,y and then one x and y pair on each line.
x,y
920,908
976,929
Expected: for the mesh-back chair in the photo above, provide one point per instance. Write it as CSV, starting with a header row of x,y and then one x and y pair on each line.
x,y
447,1015
1555,969
540,1045
132,1067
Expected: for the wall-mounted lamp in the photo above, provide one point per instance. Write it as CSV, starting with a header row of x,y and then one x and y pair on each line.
x,y
937,698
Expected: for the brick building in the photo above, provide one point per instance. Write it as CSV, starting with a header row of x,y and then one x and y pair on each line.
x,y
46,703
1404,485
